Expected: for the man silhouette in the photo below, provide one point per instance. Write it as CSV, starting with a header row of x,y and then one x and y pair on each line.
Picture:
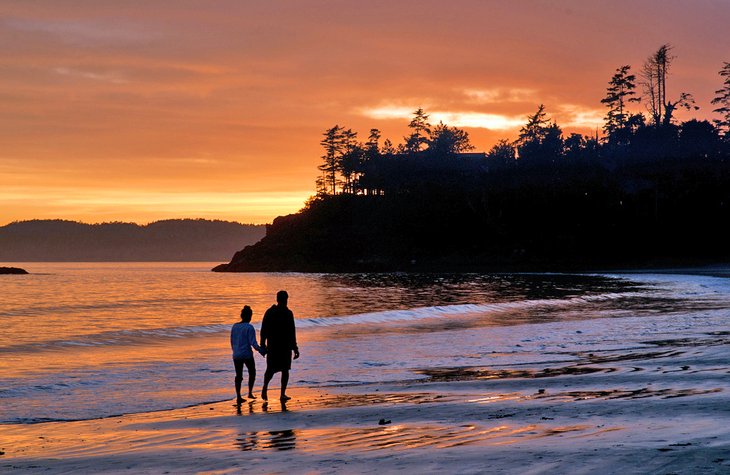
x,y
278,339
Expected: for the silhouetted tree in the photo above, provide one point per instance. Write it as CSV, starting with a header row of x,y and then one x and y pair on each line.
x,y
698,139
333,144
447,141
619,92
371,164
342,155
592,146
552,143
320,185
685,101
418,139
536,125
350,160
654,75
388,148
654,80
722,99
635,122
574,147
502,153
372,146
539,139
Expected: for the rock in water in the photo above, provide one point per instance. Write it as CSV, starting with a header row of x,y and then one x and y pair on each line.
x,y
12,270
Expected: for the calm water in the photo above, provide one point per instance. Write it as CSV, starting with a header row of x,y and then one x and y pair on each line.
x,y
89,340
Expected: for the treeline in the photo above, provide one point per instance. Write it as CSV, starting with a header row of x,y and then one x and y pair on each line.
x,y
439,153
650,191
168,240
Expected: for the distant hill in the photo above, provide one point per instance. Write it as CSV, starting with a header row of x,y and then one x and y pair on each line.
x,y
168,240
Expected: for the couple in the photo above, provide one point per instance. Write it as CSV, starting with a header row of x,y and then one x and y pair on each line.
x,y
278,340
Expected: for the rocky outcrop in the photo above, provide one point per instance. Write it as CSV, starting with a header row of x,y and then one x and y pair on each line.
x,y
360,234
12,270
525,225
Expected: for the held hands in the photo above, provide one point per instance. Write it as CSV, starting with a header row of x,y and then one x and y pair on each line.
x,y
262,350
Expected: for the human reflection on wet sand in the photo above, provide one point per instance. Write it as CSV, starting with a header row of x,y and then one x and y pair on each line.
x,y
272,440
265,406
250,408
239,409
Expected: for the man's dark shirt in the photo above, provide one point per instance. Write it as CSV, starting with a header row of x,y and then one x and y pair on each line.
x,y
278,332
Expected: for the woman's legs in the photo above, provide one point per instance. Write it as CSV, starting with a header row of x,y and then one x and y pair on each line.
x,y
238,364
251,367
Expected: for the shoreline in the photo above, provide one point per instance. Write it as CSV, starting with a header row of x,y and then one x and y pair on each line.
x,y
658,266
690,267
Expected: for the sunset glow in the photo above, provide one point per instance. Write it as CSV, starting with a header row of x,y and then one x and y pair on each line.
x,y
476,120
114,111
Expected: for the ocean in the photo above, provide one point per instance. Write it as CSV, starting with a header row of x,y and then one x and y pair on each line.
x,y
90,340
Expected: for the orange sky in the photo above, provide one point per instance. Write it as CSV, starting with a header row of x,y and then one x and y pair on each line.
x,y
143,110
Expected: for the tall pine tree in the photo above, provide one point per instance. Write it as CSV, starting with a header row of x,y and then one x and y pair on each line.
x,y
334,146
418,139
722,99
618,94
540,138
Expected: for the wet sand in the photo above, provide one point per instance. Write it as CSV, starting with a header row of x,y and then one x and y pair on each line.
x,y
661,407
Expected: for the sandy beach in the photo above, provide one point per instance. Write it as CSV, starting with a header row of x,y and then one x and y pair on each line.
x,y
659,407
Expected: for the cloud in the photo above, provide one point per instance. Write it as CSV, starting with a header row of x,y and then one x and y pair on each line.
x,y
572,115
387,112
478,120
84,32
114,78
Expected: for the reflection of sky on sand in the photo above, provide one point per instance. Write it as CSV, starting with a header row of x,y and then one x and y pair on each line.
x,y
343,439
677,392
496,398
407,437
